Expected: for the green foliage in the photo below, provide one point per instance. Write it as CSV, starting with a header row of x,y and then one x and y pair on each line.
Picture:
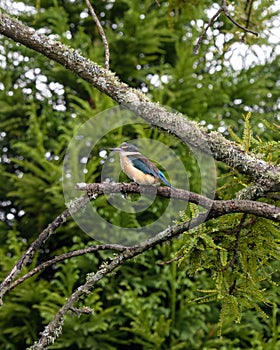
x,y
17,323
268,151
240,252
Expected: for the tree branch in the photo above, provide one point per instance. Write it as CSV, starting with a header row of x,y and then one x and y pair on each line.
x,y
215,207
66,256
267,176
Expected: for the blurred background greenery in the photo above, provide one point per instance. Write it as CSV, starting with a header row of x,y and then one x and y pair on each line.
x,y
145,304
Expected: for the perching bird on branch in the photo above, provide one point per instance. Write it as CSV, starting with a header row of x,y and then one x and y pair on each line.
x,y
138,167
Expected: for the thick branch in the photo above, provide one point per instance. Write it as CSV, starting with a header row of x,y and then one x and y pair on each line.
x,y
215,207
267,176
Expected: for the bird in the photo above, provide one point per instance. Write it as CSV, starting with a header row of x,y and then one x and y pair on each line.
x,y
138,167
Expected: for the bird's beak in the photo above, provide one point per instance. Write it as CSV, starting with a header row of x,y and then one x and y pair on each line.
x,y
118,149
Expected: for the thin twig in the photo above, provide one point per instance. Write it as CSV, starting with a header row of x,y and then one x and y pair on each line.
x,y
237,231
202,35
65,256
224,9
102,34
167,262
249,5
227,14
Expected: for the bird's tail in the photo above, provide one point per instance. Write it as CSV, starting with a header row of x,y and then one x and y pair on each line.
x,y
163,179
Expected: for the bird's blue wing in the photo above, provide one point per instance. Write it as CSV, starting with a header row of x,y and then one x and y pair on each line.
x,y
144,164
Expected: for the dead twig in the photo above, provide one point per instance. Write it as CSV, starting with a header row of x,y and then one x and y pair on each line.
x,y
223,8
249,6
102,34
227,14
212,19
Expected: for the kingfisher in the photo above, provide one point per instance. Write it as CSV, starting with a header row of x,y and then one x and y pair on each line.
x,y
138,167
